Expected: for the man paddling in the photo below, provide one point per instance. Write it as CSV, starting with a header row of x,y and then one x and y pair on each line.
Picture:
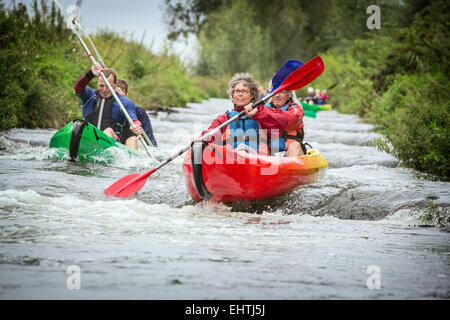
x,y
100,109
291,140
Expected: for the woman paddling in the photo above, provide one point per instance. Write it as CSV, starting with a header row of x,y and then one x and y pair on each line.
x,y
253,130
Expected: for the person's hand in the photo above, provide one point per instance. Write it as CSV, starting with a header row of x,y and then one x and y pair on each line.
x,y
207,140
96,69
136,127
120,91
193,140
249,110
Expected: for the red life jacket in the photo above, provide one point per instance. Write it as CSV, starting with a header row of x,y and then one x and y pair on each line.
x,y
288,136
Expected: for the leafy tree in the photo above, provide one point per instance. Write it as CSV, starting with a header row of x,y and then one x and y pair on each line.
x,y
233,43
186,17
290,24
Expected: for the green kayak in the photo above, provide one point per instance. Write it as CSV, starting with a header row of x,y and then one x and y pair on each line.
x,y
315,107
81,141
310,113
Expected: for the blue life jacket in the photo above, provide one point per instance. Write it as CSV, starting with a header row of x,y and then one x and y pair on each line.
x,y
245,130
88,100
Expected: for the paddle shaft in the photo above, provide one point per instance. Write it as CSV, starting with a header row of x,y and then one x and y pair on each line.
x,y
212,132
332,86
99,58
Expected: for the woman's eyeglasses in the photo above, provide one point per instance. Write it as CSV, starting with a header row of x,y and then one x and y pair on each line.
x,y
241,91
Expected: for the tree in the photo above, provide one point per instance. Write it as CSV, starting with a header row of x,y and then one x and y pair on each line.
x,y
185,17
234,43
290,24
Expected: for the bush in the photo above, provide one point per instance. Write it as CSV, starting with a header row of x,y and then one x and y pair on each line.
x,y
213,86
414,116
34,68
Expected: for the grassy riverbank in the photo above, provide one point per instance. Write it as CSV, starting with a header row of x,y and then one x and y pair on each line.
x,y
40,60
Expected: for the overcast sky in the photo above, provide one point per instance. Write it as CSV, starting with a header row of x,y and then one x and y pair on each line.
x,y
131,16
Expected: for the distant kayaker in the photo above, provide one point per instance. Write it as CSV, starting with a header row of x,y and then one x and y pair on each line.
x,y
310,97
291,140
122,88
254,130
317,99
324,96
100,109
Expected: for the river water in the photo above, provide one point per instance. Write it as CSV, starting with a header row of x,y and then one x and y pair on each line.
x,y
352,235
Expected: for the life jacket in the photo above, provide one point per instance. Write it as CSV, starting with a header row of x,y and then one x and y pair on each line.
x,y
101,116
245,130
288,136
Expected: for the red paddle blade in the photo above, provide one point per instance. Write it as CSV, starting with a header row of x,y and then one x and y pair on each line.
x,y
128,185
303,75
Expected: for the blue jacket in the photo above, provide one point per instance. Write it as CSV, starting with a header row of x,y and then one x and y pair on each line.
x,y
88,105
146,124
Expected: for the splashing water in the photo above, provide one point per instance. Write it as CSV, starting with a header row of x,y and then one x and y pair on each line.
x,y
316,242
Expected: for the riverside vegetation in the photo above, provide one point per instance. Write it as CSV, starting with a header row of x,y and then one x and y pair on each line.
x,y
40,60
395,77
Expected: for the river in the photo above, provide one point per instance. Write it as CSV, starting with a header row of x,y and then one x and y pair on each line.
x,y
352,235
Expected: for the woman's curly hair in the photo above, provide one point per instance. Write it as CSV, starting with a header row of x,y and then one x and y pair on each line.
x,y
247,80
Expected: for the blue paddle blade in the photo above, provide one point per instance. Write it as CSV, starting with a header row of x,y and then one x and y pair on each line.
x,y
284,72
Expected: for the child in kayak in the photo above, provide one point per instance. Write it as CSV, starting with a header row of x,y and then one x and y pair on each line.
x,y
310,97
122,88
324,96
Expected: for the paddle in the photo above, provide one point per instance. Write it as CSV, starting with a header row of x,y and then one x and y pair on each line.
x,y
144,134
284,72
297,79
70,23
99,58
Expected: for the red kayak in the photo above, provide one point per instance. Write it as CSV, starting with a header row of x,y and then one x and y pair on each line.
x,y
225,174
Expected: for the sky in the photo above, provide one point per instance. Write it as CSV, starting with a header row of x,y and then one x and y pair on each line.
x,y
132,17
